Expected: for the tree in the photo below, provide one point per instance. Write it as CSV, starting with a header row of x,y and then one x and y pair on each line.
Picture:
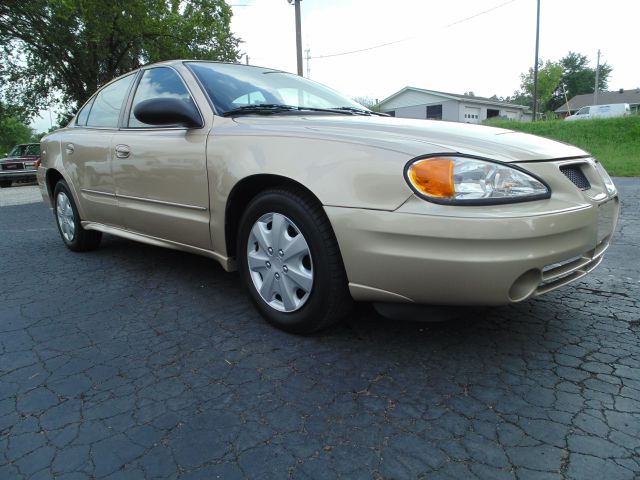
x,y
59,52
549,74
365,101
520,98
578,78
12,130
368,102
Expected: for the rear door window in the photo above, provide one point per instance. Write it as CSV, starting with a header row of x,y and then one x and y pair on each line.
x,y
107,104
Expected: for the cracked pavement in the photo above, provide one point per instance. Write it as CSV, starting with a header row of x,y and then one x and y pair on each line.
x,y
135,362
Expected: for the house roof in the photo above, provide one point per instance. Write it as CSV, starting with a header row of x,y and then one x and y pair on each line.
x,y
631,96
456,96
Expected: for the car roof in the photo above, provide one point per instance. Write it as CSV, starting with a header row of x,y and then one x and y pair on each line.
x,y
192,60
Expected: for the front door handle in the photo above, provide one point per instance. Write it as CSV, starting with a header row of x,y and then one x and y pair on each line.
x,y
122,151
70,148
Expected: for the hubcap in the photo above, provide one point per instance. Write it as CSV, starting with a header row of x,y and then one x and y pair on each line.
x,y
64,213
280,262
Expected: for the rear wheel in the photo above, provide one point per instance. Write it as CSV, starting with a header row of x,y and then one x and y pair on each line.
x,y
73,235
5,183
289,260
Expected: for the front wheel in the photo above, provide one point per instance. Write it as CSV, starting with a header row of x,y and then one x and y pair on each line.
x,y
289,260
5,183
73,235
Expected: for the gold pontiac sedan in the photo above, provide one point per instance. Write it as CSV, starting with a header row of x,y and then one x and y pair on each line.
x,y
318,201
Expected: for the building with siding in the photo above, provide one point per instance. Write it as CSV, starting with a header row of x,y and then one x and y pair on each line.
x,y
630,96
411,102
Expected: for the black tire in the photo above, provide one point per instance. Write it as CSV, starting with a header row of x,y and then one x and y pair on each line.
x,y
5,183
82,240
329,300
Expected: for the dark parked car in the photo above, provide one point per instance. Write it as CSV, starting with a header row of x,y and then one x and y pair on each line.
x,y
20,164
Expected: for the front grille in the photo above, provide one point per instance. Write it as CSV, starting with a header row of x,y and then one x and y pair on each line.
x,y
574,173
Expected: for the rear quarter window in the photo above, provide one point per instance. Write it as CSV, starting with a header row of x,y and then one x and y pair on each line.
x,y
81,118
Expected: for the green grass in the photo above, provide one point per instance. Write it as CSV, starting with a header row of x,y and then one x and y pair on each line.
x,y
613,141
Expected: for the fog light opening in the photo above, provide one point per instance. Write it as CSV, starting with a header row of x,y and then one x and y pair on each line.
x,y
525,285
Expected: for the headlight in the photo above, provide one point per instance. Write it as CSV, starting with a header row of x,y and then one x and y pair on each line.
x,y
463,180
611,188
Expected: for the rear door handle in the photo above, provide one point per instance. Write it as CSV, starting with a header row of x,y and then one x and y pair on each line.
x,y
122,151
70,148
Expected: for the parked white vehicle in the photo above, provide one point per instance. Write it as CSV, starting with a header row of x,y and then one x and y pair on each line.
x,y
601,111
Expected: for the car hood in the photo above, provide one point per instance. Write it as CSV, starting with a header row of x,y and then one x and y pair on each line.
x,y
413,137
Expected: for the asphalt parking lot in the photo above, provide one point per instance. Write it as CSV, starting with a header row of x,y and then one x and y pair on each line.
x,y
137,362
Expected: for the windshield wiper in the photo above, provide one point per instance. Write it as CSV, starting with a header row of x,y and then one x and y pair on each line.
x,y
360,111
271,108
263,108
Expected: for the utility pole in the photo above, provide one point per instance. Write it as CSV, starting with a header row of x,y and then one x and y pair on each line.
x,y
247,59
308,57
595,90
298,34
535,67
564,91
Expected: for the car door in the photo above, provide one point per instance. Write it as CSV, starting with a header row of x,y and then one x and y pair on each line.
x,y
86,150
160,171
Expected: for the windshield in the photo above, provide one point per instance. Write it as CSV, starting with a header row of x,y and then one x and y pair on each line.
x,y
17,151
232,86
22,150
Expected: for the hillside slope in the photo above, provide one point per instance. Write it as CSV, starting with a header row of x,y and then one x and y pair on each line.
x,y
614,141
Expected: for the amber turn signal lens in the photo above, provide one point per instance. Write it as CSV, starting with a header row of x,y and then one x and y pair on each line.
x,y
433,177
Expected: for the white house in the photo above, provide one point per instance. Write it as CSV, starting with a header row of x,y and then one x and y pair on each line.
x,y
411,102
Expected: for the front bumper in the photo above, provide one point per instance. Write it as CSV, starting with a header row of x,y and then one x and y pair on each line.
x,y
18,174
486,260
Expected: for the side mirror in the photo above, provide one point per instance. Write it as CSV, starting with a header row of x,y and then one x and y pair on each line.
x,y
168,111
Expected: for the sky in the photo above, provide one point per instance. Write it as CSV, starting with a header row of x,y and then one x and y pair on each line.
x,y
449,45
437,48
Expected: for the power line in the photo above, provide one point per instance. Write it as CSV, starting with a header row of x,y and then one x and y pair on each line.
x,y
480,13
363,49
411,38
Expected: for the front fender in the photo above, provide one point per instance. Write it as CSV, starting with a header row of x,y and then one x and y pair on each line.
x,y
338,173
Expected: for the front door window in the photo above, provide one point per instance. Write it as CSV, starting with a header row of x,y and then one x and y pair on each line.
x,y
161,82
